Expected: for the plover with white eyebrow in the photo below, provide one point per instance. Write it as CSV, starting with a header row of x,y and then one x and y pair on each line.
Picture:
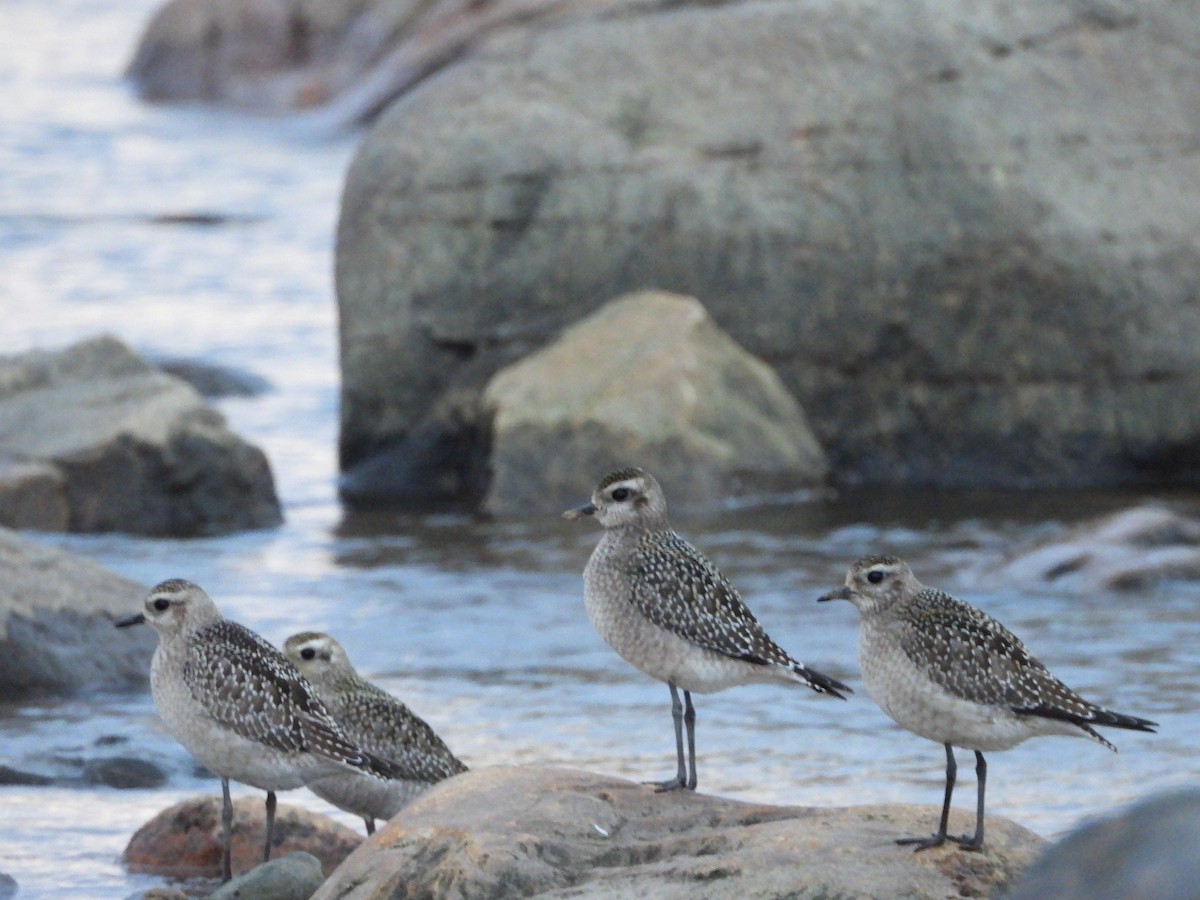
x,y
378,723
949,672
236,703
670,612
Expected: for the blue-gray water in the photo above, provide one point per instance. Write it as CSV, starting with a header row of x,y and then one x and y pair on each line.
x,y
480,626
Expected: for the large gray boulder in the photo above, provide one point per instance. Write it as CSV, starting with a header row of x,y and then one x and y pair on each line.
x,y
1145,852
535,832
56,624
103,441
963,234
648,379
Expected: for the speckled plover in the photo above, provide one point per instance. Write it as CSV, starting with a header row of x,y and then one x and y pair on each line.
x,y
670,612
379,724
951,673
237,704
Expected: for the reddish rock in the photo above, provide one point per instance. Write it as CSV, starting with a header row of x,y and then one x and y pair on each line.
x,y
184,841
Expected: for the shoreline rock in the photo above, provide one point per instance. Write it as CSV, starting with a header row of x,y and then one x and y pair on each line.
x,y
55,609
111,443
533,832
184,840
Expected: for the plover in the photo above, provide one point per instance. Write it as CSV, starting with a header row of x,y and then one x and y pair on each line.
x,y
379,724
951,673
670,612
236,703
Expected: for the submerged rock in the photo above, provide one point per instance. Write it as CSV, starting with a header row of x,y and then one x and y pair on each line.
x,y
125,772
56,623
529,832
214,381
184,841
292,877
649,380
1127,550
137,450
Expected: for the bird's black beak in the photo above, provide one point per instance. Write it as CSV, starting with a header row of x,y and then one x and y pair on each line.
x,y
139,619
578,512
842,593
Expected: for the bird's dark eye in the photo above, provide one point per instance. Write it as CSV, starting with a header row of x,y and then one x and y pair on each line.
x,y
308,653
874,576
161,604
620,494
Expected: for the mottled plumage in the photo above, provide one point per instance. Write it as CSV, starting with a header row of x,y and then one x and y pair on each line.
x,y
948,671
247,686
666,609
237,704
415,757
677,588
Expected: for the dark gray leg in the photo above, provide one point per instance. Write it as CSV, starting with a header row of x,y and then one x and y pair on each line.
x,y
681,775
940,838
370,820
227,830
976,843
689,719
270,825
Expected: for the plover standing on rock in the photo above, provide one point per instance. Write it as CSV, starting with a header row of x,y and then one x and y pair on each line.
x,y
951,673
236,703
670,612
379,724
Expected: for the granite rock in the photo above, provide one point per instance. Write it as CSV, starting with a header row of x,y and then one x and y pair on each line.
x,y
184,840
542,832
962,234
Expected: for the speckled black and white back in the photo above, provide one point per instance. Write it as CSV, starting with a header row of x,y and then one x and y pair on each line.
x,y
948,671
234,701
665,608
412,756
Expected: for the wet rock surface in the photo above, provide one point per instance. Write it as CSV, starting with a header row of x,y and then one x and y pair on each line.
x,y
534,832
1129,550
138,450
293,877
55,609
184,841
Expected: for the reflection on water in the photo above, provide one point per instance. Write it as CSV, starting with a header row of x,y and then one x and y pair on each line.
x,y
478,625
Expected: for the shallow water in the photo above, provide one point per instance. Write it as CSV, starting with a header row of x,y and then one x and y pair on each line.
x,y
479,626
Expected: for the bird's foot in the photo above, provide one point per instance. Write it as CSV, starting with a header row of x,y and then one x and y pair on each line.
x,y
935,840
975,842
672,784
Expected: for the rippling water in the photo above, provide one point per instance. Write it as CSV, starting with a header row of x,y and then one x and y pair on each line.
x,y
480,626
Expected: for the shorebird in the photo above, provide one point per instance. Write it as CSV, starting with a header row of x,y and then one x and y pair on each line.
x,y
949,672
379,724
670,612
236,703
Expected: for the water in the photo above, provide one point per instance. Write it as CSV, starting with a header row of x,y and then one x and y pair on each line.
x,y
478,625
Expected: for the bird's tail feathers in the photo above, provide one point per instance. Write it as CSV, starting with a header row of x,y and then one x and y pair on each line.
x,y
821,683
1096,716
